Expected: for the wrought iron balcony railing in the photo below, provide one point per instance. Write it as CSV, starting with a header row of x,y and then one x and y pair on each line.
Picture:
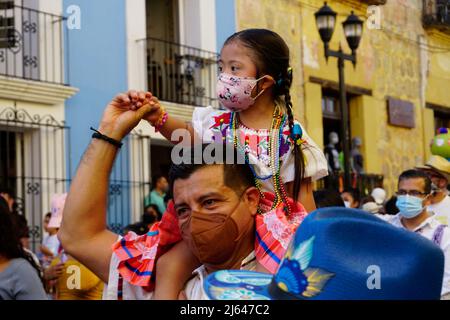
x,y
31,44
181,74
436,13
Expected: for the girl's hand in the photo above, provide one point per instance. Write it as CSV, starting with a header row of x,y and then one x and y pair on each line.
x,y
153,116
124,112
156,109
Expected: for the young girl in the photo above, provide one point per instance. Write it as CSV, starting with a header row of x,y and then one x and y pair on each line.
x,y
254,85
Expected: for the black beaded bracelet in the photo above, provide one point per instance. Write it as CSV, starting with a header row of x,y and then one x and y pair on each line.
x,y
98,135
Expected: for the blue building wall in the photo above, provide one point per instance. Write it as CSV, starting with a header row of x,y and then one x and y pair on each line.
x,y
98,67
225,21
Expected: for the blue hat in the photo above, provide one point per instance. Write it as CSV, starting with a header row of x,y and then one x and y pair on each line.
x,y
342,254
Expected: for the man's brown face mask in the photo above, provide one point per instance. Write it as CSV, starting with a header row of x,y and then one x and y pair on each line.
x,y
214,237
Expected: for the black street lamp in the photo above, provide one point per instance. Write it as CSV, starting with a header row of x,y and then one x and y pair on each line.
x,y
326,21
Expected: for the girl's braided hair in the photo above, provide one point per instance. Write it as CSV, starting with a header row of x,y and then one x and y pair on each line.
x,y
271,57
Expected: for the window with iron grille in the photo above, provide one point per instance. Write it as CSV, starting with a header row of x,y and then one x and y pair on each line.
x,y
436,13
7,39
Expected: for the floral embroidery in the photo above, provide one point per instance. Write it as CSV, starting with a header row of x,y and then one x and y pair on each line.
x,y
257,140
223,119
221,126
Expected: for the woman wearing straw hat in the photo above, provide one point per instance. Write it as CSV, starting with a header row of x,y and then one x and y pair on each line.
x,y
438,169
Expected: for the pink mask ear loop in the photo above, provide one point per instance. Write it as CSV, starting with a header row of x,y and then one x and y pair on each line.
x,y
257,80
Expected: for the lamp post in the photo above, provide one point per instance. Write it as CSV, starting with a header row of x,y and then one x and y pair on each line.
x,y
326,21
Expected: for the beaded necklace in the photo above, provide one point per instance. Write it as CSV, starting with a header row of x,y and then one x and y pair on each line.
x,y
275,140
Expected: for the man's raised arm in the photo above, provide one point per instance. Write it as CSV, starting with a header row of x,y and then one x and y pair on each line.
x,y
83,232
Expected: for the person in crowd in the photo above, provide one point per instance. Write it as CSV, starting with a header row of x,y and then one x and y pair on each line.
x,y
327,198
331,257
75,282
21,226
390,207
8,195
368,204
158,194
216,205
20,276
46,220
151,216
351,198
379,195
19,220
413,197
50,243
256,92
438,169
258,116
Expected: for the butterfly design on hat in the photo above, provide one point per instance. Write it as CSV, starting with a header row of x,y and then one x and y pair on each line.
x,y
296,276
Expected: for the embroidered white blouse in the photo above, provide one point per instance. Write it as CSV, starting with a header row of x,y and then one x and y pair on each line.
x,y
211,124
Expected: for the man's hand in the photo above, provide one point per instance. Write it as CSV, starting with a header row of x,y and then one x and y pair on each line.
x,y
84,233
125,111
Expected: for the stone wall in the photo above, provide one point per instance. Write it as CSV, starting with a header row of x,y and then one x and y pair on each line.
x,y
391,63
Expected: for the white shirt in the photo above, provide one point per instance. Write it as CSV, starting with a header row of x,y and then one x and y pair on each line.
x,y
193,289
207,123
52,243
442,210
427,229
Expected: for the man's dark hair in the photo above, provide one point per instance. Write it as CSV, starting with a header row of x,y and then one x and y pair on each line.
x,y
237,175
327,198
356,195
48,215
417,174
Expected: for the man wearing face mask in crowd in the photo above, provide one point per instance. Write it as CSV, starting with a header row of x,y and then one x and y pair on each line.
x,y
413,197
216,206
351,198
156,197
438,169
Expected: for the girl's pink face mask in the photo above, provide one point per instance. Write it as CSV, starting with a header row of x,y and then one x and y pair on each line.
x,y
235,93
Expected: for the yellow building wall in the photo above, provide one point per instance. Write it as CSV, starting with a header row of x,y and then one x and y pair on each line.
x,y
428,130
366,115
313,112
438,80
390,63
282,17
